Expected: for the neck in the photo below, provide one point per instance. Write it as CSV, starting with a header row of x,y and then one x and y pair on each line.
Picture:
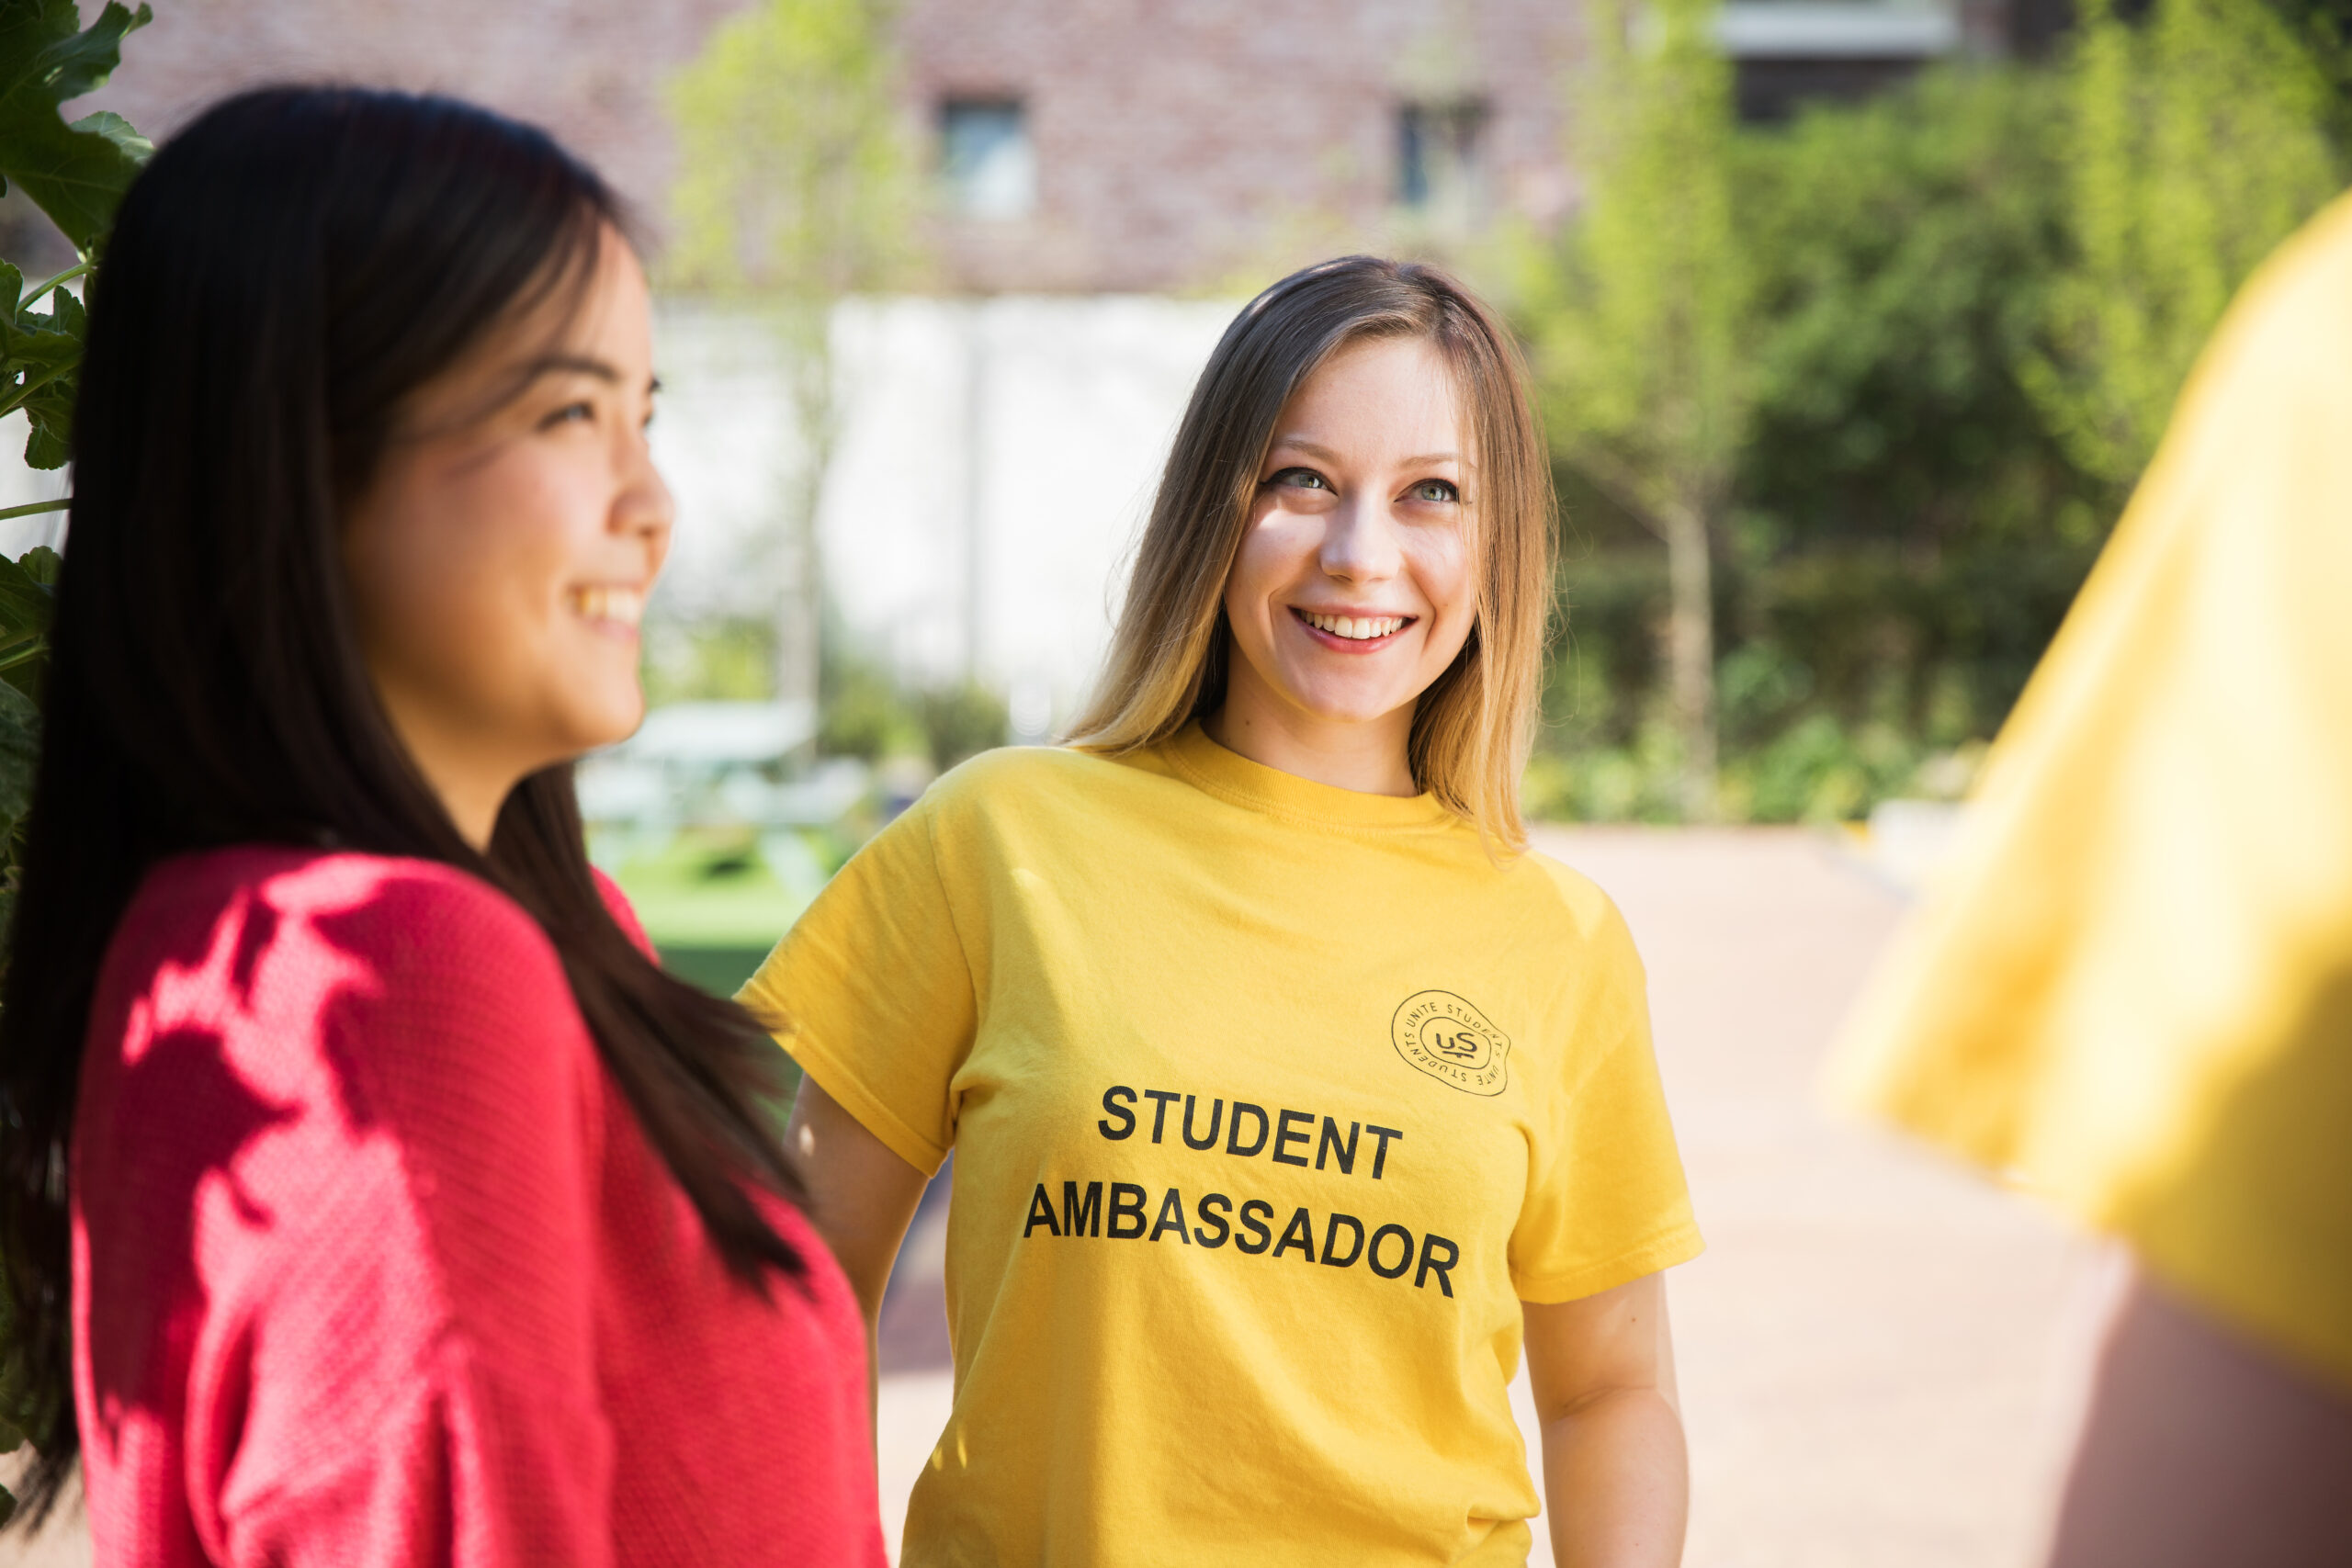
x,y
473,805
469,777
1364,755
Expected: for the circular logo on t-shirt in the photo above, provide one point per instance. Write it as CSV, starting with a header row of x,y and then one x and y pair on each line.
x,y
1453,1042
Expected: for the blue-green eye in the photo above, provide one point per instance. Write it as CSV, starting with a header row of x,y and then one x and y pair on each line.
x,y
1304,479
1435,491
566,414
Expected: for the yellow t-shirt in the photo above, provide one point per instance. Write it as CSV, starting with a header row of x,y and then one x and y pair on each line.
x,y
2133,990
1269,1103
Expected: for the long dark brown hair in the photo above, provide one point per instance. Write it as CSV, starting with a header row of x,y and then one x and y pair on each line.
x,y
287,272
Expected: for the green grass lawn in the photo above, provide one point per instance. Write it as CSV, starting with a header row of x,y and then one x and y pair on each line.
x,y
715,905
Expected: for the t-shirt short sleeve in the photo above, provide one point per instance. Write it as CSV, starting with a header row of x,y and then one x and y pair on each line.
x,y
871,993
1606,1200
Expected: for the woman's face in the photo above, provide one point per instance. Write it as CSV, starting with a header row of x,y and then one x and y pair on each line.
x,y
500,561
1354,589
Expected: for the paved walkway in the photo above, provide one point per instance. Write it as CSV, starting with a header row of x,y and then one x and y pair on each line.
x,y
1862,1347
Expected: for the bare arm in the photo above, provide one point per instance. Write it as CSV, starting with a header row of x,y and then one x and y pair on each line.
x,y
2201,1445
861,1196
1616,1480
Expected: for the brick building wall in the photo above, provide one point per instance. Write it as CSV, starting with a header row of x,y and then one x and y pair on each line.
x,y
1179,143
591,71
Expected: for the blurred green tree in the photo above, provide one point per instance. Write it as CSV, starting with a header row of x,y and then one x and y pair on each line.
x,y
796,188
1638,323
1966,308
869,714
2196,140
962,720
1904,532
1907,530
1903,249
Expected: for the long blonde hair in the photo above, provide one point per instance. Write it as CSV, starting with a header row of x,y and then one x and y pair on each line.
x,y
1167,666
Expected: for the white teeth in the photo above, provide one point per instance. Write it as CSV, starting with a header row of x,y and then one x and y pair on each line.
x,y
626,605
1355,628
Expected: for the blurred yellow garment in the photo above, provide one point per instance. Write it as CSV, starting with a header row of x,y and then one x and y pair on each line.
x,y
2131,993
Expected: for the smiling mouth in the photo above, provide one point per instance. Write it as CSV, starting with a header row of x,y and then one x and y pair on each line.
x,y
1354,628
611,605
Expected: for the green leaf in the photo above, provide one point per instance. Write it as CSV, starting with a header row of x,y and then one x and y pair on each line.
x,y
20,758
40,366
50,413
26,603
118,130
75,173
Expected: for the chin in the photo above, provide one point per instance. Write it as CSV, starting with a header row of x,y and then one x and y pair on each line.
x,y
607,723
1350,708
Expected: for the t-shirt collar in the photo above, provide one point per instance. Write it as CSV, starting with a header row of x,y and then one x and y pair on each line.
x,y
1208,766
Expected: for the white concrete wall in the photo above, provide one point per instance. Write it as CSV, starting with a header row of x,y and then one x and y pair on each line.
x,y
993,461
18,485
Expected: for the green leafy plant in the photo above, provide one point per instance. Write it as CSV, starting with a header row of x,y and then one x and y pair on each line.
x,y
26,586
76,174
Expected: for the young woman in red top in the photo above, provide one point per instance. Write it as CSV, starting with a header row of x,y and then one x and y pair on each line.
x,y
370,1195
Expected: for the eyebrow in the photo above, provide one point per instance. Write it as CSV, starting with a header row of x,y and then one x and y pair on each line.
x,y
563,364
1315,449
529,375
568,365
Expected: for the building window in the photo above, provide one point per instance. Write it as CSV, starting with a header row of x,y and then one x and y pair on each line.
x,y
1437,160
986,159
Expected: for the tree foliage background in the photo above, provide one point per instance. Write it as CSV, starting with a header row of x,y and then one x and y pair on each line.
x,y
1957,316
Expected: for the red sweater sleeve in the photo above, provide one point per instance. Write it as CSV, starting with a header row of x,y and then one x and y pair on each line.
x,y
372,1323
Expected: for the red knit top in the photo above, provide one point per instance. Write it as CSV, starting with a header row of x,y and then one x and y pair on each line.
x,y
373,1266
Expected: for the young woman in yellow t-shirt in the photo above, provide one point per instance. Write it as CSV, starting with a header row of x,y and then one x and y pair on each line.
x,y
1290,1093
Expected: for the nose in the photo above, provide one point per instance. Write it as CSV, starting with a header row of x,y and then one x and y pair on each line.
x,y
644,505
1360,542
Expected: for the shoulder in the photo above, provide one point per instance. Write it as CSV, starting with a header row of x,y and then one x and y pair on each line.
x,y
399,994
379,991
384,1055
1574,905
202,886
289,919
1012,774
993,794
